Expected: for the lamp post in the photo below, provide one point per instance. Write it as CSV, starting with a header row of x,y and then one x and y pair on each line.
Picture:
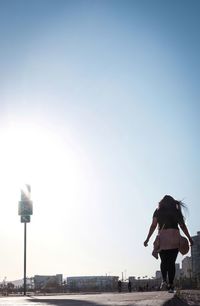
x,y
25,210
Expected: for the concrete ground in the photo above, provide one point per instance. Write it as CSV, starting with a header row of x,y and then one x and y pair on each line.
x,y
105,299
191,297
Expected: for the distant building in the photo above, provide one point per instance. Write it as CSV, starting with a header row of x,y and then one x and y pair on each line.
x,y
178,271
158,275
187,267
195,254
92,283
20,283
44,281
144,284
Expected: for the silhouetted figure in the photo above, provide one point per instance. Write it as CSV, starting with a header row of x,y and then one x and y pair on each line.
x,y
129,286
168,216
119,286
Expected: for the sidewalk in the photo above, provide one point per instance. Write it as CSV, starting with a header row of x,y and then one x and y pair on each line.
x,y
191,297
156,298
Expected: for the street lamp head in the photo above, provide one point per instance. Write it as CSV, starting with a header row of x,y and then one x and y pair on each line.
x,y
26,193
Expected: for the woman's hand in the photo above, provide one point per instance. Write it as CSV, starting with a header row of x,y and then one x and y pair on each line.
x,y
151,230
186,232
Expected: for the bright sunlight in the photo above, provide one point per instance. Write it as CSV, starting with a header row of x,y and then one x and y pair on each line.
x,y
36,156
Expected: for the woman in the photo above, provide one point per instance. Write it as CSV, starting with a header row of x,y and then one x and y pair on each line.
x,y
168,216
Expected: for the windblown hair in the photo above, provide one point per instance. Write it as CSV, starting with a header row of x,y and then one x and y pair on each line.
x,y
170,204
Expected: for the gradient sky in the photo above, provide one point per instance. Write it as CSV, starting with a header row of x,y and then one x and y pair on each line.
x,y
99,112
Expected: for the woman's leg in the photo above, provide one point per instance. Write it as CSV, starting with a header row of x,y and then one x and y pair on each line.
x,y
163,264
172,255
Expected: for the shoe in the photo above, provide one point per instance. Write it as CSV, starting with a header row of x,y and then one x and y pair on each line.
x,y
171,289
163,286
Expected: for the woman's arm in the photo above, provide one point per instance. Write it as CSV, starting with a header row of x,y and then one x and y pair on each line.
x,y
151,230
186,232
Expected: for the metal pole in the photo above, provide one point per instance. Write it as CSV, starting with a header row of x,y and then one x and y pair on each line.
x,y
24,258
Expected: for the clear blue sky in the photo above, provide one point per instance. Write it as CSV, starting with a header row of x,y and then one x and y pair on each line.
x,y
99,112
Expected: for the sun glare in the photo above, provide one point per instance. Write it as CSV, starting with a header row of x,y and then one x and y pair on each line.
x,y
38,157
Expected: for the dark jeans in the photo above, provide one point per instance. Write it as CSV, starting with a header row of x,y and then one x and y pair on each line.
x,y
167,266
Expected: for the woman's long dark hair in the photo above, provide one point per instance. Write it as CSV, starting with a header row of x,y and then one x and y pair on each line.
x,y
170,204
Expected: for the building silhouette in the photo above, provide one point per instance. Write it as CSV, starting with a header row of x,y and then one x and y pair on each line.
x,y
195,254
42,281
187,267
92,283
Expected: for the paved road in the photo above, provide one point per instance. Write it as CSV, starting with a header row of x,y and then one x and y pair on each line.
x,y
104,299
